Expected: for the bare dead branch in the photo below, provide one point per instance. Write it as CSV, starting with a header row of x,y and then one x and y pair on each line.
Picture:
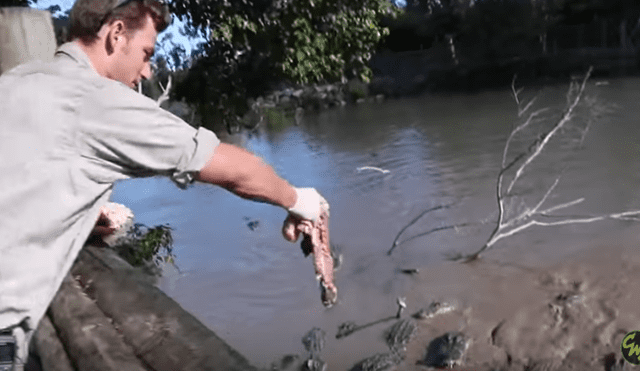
x,y
561,206
592,219
516,93
519,128
526,108
566,117
528,213
538,215
395,240
517,158
165,92
437,229
516,96
529,216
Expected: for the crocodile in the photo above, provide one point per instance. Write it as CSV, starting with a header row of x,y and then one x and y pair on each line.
x,y
313,342
399,335
379,362
434,309
447,350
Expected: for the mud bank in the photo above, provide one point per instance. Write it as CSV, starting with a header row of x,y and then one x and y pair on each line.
x,y
570,316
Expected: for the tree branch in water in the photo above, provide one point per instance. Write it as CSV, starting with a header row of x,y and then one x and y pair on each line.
x,y
535,216
395,240
511,221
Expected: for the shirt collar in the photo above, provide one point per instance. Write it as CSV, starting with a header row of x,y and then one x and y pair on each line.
x,y
76,53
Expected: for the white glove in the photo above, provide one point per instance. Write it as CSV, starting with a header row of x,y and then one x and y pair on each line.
x,y
308,204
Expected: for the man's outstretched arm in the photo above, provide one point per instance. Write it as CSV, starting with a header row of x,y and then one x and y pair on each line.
x,y
246,175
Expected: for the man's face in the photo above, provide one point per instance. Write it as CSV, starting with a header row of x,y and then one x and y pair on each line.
x,y
131,60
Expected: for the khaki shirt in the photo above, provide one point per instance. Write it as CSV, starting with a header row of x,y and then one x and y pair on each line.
x,y
66,135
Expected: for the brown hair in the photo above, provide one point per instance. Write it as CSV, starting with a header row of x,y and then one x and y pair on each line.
x,y
88,16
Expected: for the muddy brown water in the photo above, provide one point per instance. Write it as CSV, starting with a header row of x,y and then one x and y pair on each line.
x,y
258,292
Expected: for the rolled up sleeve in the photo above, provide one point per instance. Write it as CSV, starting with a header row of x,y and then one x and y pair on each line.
x,y
126,133
205,142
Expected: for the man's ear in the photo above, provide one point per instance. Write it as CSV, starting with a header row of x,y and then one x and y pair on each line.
x,y
108,45
115,34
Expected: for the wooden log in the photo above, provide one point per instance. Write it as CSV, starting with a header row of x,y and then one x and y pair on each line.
x,y
92,342
53,356
160,331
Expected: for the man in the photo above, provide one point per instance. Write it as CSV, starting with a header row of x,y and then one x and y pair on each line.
x,y
72,127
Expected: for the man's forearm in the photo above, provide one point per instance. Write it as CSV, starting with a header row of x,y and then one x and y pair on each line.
x,y
246,175
261,183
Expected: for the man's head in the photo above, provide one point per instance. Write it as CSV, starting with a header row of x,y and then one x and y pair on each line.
x,y
119,35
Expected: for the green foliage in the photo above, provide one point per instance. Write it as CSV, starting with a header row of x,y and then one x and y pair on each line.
x,y
357,89
256,44
148,247
21,3
500,29
336,42
278,119
574,12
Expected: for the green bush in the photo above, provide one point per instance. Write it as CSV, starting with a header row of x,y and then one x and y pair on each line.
x,y
147,247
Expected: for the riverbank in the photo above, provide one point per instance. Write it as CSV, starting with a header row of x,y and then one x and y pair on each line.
x,y
415,72
571,316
